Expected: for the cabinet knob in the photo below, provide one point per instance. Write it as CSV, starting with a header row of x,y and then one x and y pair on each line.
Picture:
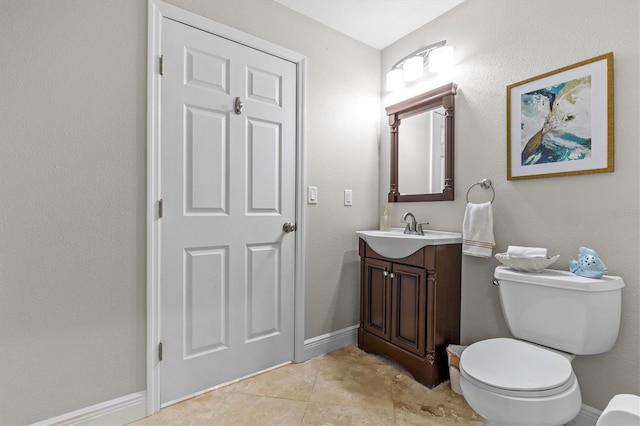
x,y
385,273
392,275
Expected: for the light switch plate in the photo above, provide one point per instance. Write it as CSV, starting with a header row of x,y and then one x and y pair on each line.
x,y
312,195
348,197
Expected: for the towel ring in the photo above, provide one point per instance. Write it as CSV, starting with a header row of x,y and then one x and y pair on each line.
x,y
484,184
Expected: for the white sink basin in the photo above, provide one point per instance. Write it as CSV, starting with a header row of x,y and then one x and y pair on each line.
x,y
395,244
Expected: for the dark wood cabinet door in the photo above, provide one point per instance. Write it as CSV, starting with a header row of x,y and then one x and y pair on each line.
x,y
408,307
377,294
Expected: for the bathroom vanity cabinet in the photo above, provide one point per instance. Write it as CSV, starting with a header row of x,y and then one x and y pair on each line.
x,y
410,308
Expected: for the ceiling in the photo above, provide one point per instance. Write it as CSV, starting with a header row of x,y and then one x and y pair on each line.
x,y
377,23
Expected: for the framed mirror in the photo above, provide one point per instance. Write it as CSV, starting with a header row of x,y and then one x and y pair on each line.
x,y
422,146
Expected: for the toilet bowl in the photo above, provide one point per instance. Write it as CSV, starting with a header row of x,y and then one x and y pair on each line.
x,y
510,382
553,316
622,410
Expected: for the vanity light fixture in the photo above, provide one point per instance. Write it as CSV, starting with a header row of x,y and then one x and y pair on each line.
x,y
438,56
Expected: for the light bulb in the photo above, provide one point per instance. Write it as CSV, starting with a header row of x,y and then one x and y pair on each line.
x,y
412,69
441,59
394,79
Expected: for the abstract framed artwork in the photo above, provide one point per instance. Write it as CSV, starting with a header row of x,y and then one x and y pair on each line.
x,y
561,123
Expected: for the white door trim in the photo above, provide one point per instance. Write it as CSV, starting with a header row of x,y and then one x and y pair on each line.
x,y
156,11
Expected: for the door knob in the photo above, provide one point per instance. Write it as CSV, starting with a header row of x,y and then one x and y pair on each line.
x,y
288,227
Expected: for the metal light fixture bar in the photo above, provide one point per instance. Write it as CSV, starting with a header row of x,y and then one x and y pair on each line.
x,y
424,52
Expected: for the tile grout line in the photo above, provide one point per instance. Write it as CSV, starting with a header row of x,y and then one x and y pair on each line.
x,y
313,388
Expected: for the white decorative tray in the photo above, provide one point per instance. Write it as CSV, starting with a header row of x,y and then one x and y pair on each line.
x,y
526,264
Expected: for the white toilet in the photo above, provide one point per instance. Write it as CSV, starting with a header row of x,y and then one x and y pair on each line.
x,y
554,315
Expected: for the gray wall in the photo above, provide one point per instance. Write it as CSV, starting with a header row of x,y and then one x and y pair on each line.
x,y
72,212
73,188
500,42
73,178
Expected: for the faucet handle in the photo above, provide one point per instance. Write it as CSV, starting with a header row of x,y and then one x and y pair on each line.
x,y
419,229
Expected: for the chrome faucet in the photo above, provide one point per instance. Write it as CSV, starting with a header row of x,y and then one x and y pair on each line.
x,y
412,227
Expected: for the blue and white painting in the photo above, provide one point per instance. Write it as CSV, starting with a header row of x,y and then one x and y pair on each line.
x,y
555,123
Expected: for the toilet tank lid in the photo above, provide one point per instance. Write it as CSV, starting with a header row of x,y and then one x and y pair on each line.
x,y
560,279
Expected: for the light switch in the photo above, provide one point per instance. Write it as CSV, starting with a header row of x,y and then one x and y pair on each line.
x,y
348,197
312,195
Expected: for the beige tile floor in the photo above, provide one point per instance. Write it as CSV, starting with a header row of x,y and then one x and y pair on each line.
x,y
344,387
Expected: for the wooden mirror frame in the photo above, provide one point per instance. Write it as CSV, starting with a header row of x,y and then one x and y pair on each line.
x,y
443,96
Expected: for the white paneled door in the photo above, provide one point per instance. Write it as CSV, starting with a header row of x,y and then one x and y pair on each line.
x,y
227,182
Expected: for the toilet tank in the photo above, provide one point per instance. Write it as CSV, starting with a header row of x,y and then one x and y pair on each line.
x,y
561,310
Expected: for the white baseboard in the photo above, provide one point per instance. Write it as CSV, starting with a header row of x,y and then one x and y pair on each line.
x,y
119,411
129,408
326,343
588,416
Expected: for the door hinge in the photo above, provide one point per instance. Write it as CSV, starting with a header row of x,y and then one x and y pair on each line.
x,y
161,65
160,208
160,351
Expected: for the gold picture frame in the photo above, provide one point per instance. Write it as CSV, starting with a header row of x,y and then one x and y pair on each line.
x,y
561,123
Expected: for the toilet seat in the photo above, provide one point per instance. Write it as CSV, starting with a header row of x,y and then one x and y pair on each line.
x,y
516,368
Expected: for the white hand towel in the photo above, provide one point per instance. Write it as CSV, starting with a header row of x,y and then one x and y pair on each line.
x,y
518,251
477,230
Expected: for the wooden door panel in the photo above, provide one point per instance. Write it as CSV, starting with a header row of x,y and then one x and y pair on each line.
x,y
206,144
377,296
205,317
263,177
408,297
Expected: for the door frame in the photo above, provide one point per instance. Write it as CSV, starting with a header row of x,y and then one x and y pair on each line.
x,y
157,10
